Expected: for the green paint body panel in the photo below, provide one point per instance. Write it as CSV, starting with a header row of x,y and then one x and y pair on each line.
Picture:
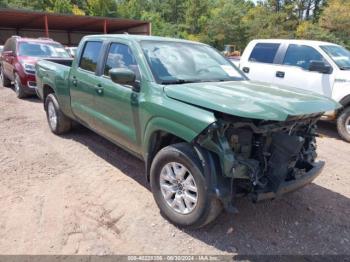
x,y
129,118
251,99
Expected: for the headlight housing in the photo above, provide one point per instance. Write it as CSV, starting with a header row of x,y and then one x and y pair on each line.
x,y
29,68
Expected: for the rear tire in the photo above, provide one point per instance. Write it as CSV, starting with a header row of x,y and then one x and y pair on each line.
x,y
19,88
4,81
58,122
343,124
179,187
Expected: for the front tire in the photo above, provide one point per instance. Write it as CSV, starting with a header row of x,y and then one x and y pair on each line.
x,y
179,187
58,122
343,124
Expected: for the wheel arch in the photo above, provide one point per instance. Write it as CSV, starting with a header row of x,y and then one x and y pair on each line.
x,y
161,132
47,89
158,137
345,101
17,69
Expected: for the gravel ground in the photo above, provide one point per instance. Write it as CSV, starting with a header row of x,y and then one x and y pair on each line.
x,y
80,194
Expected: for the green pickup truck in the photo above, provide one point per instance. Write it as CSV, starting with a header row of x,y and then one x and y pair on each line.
x,y
205,132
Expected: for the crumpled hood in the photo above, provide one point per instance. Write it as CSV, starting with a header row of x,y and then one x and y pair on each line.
x,y
251,99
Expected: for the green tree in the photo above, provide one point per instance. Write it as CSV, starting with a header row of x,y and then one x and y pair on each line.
x,y
263,21
134,9
61,6
102,7
196,15
218,22
225,25
336,19
313,31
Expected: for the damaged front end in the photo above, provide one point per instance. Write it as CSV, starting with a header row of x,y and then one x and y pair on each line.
x,y
262,159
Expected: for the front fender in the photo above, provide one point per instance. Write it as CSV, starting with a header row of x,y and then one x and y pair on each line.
x,y
162,124
345,101
20,71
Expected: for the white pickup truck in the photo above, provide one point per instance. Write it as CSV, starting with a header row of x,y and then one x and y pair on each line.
x,y
313,65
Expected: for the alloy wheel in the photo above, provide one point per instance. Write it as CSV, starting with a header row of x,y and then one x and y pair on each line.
x,y
178,188
16,84
347,124
52,115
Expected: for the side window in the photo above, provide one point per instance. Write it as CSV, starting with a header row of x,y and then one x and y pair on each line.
x,y
121,56
301,56
13,46
264,52
90,55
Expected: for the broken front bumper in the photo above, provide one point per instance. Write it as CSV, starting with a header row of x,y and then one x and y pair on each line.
x,y
292,185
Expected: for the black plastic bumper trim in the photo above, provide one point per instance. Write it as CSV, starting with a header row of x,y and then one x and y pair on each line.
x,y
292,185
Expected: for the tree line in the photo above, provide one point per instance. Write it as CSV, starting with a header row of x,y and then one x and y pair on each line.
x,y
218,22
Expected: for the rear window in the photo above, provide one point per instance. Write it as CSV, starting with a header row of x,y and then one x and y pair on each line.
x,y
264,53
90,56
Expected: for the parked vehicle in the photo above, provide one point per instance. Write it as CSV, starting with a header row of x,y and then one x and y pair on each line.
x,y
315,66
71,51
234,60
205,133
18,61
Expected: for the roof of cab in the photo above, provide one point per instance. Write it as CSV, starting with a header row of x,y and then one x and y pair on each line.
x,y
139,38
39,40
293,41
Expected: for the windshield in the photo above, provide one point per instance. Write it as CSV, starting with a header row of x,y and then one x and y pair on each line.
x,y
41,49
339,55
177,62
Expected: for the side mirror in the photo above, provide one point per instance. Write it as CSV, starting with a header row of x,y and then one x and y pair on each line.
x,y
321,67
124,76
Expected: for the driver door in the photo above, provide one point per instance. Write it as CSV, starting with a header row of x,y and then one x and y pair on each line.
x,y
294,70
116,105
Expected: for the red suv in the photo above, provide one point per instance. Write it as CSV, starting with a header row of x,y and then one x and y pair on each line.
x,y
18,61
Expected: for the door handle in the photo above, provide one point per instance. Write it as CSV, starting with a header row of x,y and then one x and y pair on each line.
x,y
99,89
74,81
246,69
280,74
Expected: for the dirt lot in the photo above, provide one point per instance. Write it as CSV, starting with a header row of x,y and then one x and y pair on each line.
x,y
80,194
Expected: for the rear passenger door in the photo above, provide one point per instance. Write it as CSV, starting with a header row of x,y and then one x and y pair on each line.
x,y
295,70
84,82
260,65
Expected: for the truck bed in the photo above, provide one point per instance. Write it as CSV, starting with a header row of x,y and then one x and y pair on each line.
x,y
61,61
55,73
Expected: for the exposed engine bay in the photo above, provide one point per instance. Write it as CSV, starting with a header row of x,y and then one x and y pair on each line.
x,y
258,156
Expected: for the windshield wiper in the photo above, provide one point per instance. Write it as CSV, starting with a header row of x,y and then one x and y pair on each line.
x,y
344,67
178,81
183,81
